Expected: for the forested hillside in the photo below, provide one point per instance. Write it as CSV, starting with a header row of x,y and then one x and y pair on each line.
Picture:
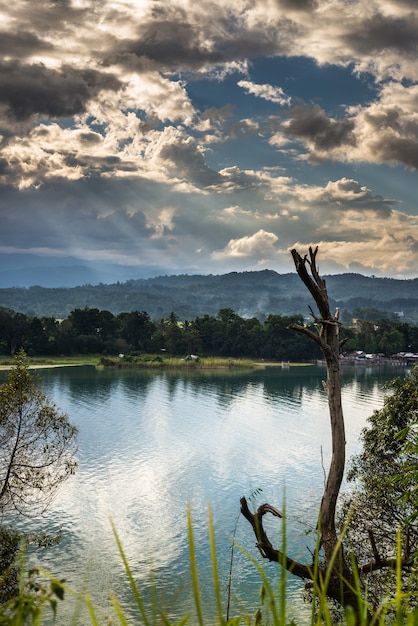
x,y
247,293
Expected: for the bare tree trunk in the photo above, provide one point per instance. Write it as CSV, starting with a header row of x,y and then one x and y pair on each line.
x,y
327,337
328,340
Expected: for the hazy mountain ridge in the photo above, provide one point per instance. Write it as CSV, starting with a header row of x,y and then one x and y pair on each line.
x,y
25,270
257,293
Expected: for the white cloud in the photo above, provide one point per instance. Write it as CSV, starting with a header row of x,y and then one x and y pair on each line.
x,y
386,254
267,92
259,244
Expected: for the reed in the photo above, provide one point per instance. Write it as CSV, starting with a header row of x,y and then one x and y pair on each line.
x,y
149,361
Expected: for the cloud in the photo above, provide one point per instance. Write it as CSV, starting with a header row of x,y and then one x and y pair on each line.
x,y
320,132
387,255
297,5
171,42
145,129
260,244
387,129
380,31
35,89
384,130
22,44
185,159
150,223
346,195
267,92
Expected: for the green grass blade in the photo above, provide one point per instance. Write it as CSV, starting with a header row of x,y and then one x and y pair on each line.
x,y
118,610
215,567
267,589
92,614
193,568
132,583
283,571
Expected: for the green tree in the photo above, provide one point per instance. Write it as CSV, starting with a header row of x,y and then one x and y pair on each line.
x,y
391,342
174,340
208,329
137,329
37,444
191,337
14,330
385,494
407,479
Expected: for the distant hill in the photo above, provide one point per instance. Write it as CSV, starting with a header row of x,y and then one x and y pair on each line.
x,y
247,293
25,270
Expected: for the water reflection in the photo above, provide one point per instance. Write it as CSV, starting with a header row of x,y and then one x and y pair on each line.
x,y
151,442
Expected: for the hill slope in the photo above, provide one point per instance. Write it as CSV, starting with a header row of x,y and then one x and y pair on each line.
x,y
248,293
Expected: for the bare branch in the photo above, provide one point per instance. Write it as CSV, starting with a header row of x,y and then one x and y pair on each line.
x,y
315,285
264,545
306,331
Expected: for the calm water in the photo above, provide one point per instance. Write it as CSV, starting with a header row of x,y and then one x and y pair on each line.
x,y
150,443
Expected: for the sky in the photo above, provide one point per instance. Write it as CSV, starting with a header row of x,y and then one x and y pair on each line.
x,y
210,136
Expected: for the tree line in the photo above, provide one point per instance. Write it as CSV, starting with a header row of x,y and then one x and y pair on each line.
x,y
94,331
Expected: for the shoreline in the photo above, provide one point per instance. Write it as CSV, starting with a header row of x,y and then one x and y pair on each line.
x,y
207,363
40,366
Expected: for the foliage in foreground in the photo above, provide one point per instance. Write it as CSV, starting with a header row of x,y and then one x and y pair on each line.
x,y
37,443
385,497
41,595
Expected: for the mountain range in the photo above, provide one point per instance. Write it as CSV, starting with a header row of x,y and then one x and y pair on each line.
x,y
249,294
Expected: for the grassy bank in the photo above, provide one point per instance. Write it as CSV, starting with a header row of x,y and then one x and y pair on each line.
x,y
54,361
152,361
149,361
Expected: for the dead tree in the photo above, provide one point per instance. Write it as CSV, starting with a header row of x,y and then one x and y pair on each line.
x,y
340,586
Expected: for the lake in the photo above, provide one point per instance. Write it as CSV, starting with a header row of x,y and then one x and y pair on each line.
x,y
150,443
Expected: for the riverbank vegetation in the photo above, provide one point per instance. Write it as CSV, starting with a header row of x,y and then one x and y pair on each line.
x,y
93,333
155,361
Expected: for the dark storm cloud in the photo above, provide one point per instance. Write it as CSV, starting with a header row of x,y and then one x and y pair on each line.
x,y
392,149
384,32
314,126
189,163
22,44
384,119
276,37
4,166
298,5
169,39
348,195
412,4
46,16
30,89
172,44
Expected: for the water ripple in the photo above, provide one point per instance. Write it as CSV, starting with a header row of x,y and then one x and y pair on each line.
x,y
152,443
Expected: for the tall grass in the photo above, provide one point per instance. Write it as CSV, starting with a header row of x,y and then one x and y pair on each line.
x,y
153,361
39,598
